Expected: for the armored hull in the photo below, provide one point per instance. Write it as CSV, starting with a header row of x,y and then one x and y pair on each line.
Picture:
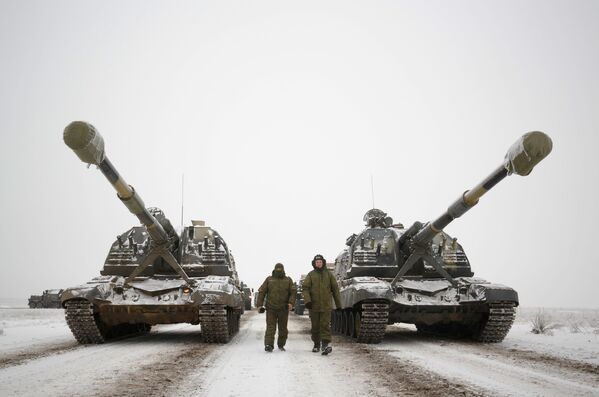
x,y
102,309
477,308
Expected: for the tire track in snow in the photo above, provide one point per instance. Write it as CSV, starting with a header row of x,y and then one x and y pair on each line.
x,y
98,370
243,368
34,353
506,372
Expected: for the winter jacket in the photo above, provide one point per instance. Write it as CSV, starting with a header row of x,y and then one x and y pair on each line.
x,y
320,288
278,291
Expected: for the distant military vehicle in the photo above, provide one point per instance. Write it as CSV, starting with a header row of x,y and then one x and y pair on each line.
x,y
255,299
421,275
300,306
247,296
151,274
49,299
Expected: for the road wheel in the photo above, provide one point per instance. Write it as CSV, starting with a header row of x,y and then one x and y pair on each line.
x,y
230,325
351,325
334,321
346,323
357,324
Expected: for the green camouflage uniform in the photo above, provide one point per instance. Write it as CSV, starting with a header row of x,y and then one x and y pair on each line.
x,y
320,288
279,291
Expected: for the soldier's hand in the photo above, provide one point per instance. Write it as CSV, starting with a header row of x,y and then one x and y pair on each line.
x,y
309,305
262,309
289,307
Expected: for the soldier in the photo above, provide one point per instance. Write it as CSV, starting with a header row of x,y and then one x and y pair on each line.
x,y
320,288
279,291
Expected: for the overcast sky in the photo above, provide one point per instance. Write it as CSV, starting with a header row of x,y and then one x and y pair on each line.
x,y
278,113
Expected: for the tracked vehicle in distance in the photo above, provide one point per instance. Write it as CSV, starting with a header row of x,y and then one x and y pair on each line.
x,y
247,296
152,275
49,299
300,305
421,275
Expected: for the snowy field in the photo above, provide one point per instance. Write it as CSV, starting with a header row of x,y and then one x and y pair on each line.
x,y
572,334
38,356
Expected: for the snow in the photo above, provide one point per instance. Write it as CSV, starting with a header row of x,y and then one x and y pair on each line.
x,y
32,329
581,346
85,370
38,356
563,363
488,369
243,368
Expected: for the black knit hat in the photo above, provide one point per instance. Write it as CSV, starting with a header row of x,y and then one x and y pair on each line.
x,y
316,257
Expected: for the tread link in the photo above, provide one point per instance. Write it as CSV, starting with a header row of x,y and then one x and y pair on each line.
x,y
372,322
500,320
366,325
80,319
218,323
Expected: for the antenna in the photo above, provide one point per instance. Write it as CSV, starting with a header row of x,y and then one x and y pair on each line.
x,y
372,189
182,191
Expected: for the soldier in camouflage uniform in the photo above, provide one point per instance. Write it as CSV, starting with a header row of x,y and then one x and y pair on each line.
x,y
280,292
320,289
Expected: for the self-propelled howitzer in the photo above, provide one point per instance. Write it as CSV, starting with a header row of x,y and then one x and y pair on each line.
x,y
151,274
421,275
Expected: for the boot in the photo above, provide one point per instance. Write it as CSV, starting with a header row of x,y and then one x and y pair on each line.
x,y
281,348
268,348
326,349
316,347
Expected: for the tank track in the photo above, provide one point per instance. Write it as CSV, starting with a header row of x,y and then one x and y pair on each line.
x,y
372,323
498,324
218,323
366,325
80,319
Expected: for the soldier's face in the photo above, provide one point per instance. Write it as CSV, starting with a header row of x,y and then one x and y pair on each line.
x,y
318,263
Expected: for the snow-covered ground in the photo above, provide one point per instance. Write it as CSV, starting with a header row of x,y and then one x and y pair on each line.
x,y
523,365
27,330
574,333
582,346
38,356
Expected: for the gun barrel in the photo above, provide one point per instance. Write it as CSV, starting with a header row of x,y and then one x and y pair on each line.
x,y
520,159
88,145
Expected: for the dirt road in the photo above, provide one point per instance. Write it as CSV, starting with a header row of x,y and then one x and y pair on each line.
x,y
171,360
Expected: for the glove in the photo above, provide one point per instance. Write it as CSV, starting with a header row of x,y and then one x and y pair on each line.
x,y
289,307
309,305
262,309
